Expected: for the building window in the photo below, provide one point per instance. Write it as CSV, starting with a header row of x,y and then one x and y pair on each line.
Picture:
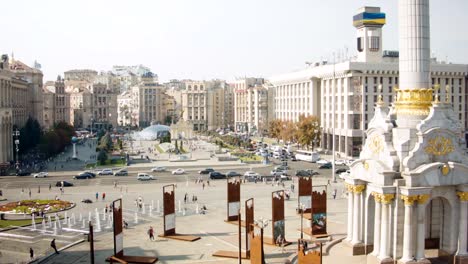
x,y
360,47
374,43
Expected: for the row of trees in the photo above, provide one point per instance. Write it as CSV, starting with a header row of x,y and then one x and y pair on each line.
x,y
54,141
306,132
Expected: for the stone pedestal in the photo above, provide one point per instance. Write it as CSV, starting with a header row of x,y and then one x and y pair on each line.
x,y
461,259
359,248
371,259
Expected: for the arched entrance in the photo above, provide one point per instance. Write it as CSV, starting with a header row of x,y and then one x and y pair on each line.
x,y
437,237
370,224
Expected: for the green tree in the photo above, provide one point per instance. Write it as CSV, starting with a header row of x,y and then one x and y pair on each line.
x,y
182,146
102,157
309,131
176,146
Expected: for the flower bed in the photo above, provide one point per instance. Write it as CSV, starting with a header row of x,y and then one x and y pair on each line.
x,y
29,206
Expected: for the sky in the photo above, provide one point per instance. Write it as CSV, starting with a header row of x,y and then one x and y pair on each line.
x,y
206,39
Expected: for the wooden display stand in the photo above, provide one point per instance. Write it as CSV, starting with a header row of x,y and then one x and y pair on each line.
x,y
277,219
119,256
305,196
233,201
169,216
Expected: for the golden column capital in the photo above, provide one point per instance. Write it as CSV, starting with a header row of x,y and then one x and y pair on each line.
x,y
377,197
422,198
463,196
349,187
387,198
359,188
409,199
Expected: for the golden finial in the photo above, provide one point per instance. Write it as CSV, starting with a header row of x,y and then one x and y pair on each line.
x,y
447,93
436,93
380,100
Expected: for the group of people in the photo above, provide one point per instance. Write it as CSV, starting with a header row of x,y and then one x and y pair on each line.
x,y
186,198
103,196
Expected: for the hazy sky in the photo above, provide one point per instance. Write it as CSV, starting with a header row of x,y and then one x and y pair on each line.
x,y
204,39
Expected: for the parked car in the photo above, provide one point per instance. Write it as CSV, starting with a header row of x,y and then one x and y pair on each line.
x,y
282,167
144,177
340,170
92,174
233,174
178,171
277,172
158,169
106,172
303,173
312,172
217,175
82,176
122,172
340,162
23,173
41,175
251,175
325,166
206,171
86,201
63,184
322,161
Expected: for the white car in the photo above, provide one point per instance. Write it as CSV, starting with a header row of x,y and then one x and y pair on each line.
x,y
251,174
41,175
158,169
106,172
340,162
178,171
322,161
144,177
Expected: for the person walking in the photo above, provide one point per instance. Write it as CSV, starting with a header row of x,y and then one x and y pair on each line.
x,y
203,185
29,193
52,245
50,186
97,196
334,194
31,253
151,233
103,196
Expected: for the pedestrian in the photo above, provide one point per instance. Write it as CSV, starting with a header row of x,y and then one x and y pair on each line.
x,y
50,186
208,182
29,193
151,233
103,196
97,196
31,253
106,209
185,198
115,184
203,185
334,194
38,189
52,245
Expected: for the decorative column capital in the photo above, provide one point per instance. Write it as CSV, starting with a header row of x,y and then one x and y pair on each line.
x,y
359,188
422,198
349,187
409,199
387,198
463,196
377,197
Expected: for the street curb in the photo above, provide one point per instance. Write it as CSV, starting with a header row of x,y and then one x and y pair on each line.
x,y
41,260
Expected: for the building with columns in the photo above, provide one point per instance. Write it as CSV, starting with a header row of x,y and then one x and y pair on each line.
x,y
6,122
408,191
343,94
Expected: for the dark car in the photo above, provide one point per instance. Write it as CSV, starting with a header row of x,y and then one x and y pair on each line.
x,y
233,174
303,173
340,170
217,175
206,171
63,184
23,173
86,201
90,174
325,166
82,176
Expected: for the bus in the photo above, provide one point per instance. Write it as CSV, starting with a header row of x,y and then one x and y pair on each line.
x,y
305,155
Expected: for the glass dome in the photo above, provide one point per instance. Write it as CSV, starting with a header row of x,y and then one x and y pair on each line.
x,y
152,132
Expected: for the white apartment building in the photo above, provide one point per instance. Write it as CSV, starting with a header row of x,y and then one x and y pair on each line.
x,y
251,105
344,94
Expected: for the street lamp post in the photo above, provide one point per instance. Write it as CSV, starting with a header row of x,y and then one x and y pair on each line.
x,y
302,208
16,134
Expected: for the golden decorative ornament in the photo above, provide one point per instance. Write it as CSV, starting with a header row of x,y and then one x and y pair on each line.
x,y
463,196
349,187
413,101
375,144
439,146
387,198
409,199
365,164
359,188
445,169
422,198
377,197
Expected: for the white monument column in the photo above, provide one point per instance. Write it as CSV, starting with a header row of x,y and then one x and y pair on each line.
x,y
350,212
408,241
462,239
414,95
378,214
357,236
385,237
422,199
